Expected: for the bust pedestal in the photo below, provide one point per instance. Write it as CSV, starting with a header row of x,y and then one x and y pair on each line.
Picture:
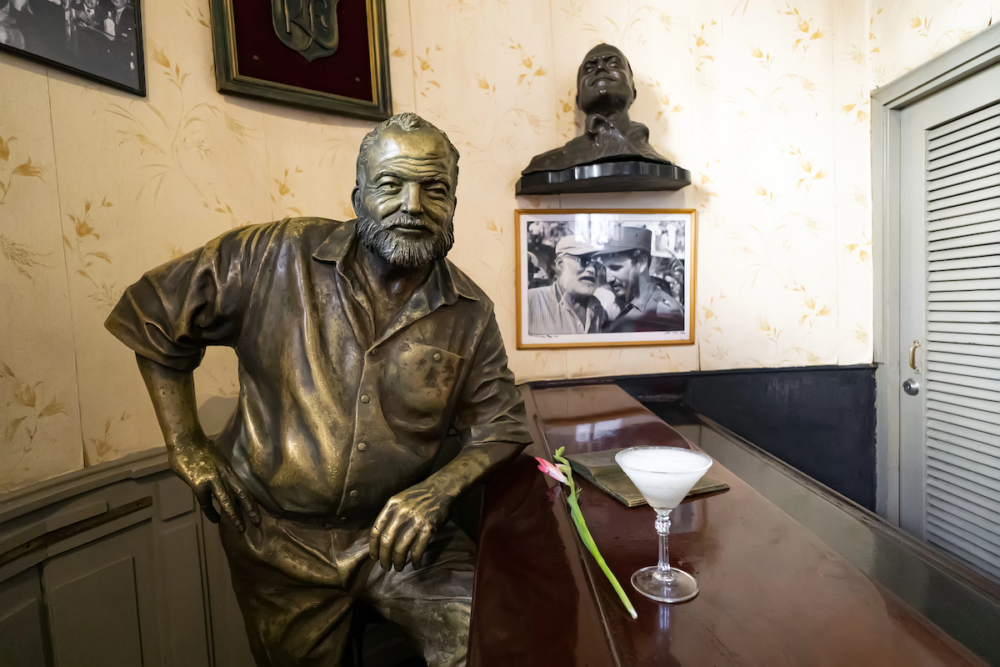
x,y
616,176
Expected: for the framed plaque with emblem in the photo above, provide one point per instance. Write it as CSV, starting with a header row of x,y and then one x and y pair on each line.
x,y
588,278
326,55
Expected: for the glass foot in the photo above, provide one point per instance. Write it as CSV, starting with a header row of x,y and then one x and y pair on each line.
x,y
680,587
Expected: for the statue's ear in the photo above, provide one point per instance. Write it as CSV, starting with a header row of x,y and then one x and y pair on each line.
x,y
356,200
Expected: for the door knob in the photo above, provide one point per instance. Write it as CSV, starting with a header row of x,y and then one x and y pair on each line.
x,y
911,387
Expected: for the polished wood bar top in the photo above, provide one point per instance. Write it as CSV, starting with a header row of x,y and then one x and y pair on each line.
x,y
771,592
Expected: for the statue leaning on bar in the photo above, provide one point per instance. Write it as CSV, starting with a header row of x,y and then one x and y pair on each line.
x,y
360,346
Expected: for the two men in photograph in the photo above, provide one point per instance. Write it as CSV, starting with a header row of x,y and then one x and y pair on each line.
x,y
606,288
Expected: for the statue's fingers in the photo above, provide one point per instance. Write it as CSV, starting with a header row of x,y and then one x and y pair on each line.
x,y
388,540
204,497
420,545
246,501
226,503
384,517
403,545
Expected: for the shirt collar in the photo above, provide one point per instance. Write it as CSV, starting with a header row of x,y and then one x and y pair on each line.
x,y
445,284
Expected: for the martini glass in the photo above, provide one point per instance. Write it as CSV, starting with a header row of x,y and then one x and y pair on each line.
x,y
663,475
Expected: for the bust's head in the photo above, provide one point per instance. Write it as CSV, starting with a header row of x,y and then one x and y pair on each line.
x,y
604,81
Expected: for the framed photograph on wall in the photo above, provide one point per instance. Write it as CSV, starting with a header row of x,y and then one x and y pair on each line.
x,y
588,278
96,39
326,55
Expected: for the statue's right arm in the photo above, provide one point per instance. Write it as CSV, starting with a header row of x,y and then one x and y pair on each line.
x,y
190,452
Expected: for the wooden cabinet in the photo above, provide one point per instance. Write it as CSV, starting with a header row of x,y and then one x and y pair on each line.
x,y
115,567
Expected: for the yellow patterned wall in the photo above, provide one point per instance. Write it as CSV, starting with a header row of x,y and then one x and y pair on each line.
x,y
765,102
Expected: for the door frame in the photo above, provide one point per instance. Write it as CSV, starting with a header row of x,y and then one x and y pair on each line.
x,y
887,103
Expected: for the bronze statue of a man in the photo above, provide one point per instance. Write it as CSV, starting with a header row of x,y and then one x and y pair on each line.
x,y
604,91
360,345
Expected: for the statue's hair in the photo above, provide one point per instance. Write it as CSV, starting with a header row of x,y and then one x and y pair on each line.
x,y
407,121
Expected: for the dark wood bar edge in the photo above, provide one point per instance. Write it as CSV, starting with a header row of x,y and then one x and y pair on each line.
x,y
772,593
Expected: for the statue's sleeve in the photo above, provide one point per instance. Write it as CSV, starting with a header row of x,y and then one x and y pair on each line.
x,y
178,309
491,408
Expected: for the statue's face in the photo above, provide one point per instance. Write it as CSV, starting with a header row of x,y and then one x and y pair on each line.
x,y
407,203
623,274
577,275
604,81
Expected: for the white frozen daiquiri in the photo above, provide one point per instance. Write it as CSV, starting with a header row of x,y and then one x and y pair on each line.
x,y
663,475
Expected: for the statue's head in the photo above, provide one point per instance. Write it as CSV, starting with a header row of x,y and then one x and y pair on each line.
x,y
604,81
404,196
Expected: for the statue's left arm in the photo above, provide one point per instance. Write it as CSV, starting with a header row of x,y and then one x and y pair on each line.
x,y
491,421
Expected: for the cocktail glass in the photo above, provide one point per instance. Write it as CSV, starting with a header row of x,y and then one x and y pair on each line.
x,y
663,475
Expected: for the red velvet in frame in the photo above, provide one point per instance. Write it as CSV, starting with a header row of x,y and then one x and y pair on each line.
x,y
261,55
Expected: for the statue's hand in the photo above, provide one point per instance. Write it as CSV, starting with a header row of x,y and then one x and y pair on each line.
x,y
407,523
197,464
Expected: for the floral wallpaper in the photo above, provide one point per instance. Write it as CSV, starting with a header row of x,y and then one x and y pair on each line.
x,y
765,101
39,410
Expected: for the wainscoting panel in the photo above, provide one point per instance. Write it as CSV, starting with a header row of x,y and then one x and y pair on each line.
x,y
21,621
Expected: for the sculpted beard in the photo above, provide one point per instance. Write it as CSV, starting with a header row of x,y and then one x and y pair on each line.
x,y
409,253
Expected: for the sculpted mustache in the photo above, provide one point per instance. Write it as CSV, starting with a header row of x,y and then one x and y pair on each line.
x,y
405,221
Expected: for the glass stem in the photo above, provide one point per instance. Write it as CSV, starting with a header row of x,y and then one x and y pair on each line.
x,y
663,529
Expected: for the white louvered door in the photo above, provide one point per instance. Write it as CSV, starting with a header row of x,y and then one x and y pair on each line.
x,y
950,300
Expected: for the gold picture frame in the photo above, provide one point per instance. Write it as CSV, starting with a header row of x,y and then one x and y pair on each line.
x,y
535,251
229,78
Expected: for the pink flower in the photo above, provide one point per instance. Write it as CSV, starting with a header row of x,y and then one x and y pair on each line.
x,y
551,470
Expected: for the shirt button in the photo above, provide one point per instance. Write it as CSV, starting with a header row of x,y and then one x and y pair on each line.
x,y
364,398
437,356
343,518
354,493
374,353
362,446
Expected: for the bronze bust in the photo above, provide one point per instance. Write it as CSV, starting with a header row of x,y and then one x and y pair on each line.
x,y
360,346
605,92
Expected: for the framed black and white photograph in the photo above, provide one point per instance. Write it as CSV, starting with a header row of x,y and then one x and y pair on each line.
x,y
588,278
96,39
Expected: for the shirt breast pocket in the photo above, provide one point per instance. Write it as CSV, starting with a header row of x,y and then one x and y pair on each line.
x,y
418,386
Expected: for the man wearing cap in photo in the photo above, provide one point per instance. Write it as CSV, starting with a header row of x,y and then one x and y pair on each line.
x,y
568,305
645,306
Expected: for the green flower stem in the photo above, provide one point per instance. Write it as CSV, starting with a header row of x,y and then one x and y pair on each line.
x,y
589,541
581,527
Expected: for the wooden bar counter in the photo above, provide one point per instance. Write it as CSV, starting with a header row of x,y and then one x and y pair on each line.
x,y
771,592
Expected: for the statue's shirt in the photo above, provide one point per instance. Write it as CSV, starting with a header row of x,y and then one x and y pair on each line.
x,y
330,420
